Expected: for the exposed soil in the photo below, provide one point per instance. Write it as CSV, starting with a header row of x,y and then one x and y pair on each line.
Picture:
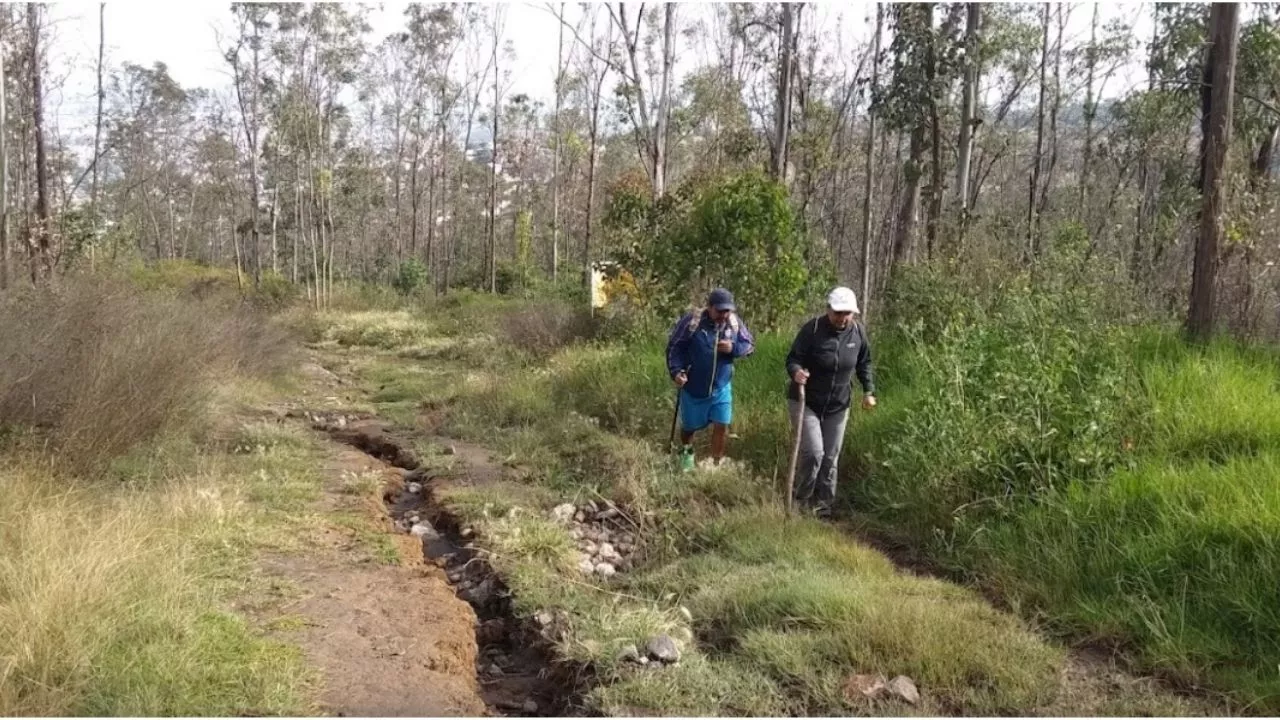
x,y
515,672
431,636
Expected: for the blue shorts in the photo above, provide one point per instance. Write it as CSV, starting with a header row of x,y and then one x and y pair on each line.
x,y
697,413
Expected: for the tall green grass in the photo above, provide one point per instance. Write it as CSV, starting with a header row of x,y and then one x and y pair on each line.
x,y
1106,478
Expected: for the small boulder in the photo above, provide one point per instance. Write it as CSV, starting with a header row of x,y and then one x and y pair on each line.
x,y
904,689
563,513
491,631
450,450
663,649
586,566
529,707
575,533
607,514
629,654
543,618
864,687
424,531
608,552
493,671
606,570
481,594
579,516
414,488
589,548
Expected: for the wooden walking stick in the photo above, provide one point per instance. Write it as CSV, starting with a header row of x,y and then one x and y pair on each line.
x,y
795,452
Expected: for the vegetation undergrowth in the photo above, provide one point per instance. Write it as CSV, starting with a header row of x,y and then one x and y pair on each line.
x,y
776,614
131,512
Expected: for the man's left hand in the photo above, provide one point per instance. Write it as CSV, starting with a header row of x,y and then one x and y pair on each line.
x,y
724,347
868,402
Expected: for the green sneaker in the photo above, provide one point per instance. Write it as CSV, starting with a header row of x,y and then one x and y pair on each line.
x,y
686,459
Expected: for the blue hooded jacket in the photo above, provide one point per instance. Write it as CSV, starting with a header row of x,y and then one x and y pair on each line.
x,y
692,347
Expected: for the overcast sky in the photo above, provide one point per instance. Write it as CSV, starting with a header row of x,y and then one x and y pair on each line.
x,y
184,35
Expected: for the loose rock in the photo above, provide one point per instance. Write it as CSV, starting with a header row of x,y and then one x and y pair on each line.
x,y
491,631
904,689
589,548
423,530
605,569
563,513
493,670
529,707
579,516
607,514
414,488
481,594
575,533
450,450
868,687
608,552
629,654
663,649
585,566
543,618
466,532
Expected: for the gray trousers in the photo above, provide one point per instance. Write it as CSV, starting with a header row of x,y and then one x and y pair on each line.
x,y
820,442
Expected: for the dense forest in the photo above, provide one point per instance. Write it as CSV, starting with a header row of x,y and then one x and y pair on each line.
x,y
959,132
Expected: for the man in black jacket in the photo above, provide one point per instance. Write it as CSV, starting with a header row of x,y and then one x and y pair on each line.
x,y
826,353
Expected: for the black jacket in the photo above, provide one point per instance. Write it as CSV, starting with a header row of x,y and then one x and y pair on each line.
x,y
831,357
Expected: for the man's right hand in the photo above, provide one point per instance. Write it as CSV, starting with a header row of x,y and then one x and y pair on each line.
x,y
680,379
801,377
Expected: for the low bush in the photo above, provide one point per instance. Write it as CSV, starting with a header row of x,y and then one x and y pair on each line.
x,y
98,366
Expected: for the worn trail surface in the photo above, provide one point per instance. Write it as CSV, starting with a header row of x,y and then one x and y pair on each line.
x,y
390,638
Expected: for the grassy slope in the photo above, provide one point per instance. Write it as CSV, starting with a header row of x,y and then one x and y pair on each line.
x,y
116,594
783,610
129,521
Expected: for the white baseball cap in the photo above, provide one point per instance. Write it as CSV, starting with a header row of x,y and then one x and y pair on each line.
x,y
842,299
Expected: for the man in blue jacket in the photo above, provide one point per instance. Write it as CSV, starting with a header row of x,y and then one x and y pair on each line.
x,y
700,354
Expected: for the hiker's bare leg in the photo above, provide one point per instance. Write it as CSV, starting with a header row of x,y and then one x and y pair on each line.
x,y
718,435
686,437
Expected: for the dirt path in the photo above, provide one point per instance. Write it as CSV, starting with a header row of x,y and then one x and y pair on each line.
x,y
416,627
390,640
434,635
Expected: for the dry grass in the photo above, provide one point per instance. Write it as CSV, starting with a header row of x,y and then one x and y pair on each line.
x,y
98,366
111,603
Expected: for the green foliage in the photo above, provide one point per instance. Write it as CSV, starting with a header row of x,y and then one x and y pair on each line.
x,y
411,276
739,232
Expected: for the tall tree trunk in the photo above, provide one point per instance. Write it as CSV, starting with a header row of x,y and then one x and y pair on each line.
x,y
493,170
935,149
1053,116
43,227
253,161
1090,114
591,180
97,133
1149,175
782,112
867,227
1033,222
664,102
4,167
909,213
968,118
555,160
1220,69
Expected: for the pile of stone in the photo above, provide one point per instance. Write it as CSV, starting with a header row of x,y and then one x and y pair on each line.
x,y
606,540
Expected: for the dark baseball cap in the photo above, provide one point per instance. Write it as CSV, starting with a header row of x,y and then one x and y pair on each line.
x,y
721,299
